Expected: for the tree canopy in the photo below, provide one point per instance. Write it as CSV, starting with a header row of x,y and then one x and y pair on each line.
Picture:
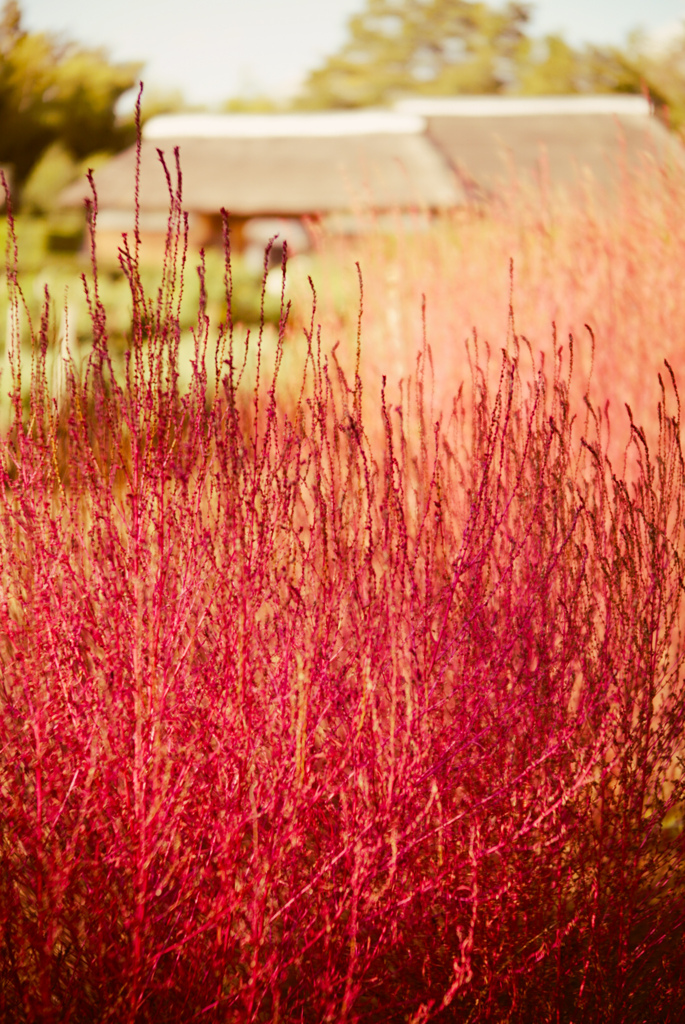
x,y
58,99
439,47
451,47
56,92
661,67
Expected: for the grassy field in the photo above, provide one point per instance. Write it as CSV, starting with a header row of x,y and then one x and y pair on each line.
x,y
577,260
342,667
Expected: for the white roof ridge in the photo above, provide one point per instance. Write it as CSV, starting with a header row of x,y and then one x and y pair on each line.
x,y
517,106
329,124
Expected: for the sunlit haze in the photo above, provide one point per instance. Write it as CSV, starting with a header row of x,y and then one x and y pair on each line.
x,y
212,49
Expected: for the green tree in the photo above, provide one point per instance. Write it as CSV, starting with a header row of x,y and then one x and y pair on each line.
x,y
550,66
452,47
435,47
660,69
53,92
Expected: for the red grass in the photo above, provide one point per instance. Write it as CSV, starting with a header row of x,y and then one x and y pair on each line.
x,y
613,263
315,714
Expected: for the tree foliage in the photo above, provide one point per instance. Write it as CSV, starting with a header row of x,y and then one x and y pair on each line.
x,y
54,92
551,67
453,47
421,46
661,69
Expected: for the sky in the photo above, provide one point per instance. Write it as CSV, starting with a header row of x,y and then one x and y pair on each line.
x,y
213,49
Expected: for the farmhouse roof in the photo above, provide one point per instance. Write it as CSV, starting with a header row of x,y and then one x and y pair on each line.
x,y
522,106
486,138
429,153
256,165
332,124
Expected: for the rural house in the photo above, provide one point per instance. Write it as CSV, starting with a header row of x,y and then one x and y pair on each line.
x,y
271,172
490,141
275,173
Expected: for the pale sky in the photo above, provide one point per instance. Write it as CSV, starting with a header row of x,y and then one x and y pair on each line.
x,y
213,49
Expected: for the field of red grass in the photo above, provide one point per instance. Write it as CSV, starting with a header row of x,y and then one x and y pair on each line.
x,y
580,260
352,700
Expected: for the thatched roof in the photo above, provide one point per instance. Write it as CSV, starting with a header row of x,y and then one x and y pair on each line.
x,y
288,165
488,140
425,153
332,124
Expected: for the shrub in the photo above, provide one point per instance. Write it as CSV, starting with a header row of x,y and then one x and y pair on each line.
x,y
306,718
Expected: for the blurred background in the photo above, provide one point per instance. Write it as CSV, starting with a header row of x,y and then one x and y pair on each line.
x,y
227,51
70,74
69,71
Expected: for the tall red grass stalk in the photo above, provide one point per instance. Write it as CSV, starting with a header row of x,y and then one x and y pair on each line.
x,y
300,727
613,261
